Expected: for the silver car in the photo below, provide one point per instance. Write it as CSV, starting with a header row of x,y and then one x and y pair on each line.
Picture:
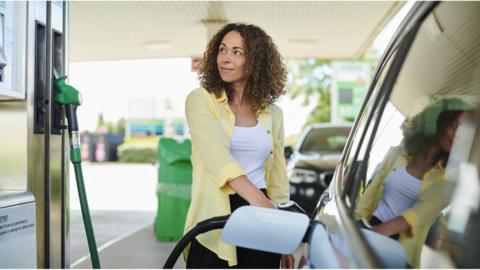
x,y
310,167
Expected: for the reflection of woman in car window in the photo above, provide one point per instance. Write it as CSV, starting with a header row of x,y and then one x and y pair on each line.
x,y
407,191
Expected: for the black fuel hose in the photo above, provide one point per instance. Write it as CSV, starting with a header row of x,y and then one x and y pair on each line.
x,y
202,227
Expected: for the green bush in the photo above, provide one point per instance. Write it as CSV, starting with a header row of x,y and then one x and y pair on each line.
x,y
138,151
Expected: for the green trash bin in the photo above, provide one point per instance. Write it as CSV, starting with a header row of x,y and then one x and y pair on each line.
x,y
173,188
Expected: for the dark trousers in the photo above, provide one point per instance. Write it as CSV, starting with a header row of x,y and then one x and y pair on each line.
x,y
201,257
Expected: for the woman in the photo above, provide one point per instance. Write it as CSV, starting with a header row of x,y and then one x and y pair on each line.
x,y
408,190
237,141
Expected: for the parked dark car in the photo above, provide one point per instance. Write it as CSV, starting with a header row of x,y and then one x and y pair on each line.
x,y
310,167
434,56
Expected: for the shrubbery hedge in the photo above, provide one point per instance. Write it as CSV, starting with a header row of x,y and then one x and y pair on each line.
x,y
138,151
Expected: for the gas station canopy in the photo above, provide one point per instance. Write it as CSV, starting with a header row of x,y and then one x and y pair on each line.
x,y
164,29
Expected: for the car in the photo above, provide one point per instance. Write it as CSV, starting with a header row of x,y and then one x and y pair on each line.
x,y
310,167
433,56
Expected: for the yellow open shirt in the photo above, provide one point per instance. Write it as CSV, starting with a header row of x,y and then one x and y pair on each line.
x,y
211,123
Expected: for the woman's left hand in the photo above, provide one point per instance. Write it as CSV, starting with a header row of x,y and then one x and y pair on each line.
x,y
287,262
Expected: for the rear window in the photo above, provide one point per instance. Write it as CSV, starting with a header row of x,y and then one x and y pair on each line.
x,y
325,140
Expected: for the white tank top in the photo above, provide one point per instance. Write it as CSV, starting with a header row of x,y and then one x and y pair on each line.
x,y
251,146
400,193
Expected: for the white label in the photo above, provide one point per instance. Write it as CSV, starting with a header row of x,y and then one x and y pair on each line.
x,y
16,221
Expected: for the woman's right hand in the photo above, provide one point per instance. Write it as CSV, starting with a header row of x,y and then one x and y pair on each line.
x,y
265,202
250,193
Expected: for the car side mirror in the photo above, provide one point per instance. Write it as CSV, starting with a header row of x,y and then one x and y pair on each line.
x,y
273,230
287,151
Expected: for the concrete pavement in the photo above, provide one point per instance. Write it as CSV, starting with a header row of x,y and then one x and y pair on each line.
x,y
123,206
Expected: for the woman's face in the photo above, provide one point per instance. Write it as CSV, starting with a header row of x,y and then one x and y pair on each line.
x,y
447,135
231,58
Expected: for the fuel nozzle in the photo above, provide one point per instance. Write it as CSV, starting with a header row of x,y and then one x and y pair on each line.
x,y
70,98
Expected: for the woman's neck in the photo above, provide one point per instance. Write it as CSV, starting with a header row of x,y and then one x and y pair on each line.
x,y
433,152
238,94
423,163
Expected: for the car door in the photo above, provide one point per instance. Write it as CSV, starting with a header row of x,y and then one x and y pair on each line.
x,y
433,58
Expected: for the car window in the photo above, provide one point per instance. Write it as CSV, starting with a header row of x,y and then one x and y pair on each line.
x,y
326,211
424,137
362,127
389,134
325,140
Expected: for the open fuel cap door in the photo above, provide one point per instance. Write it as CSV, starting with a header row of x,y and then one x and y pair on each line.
x,y
266,229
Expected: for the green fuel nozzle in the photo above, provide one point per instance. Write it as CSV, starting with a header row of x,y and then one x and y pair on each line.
x,y
67,94
71,99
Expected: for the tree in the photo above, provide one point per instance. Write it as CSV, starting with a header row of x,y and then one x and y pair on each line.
x,y
113,128
121,126
100,121
311,79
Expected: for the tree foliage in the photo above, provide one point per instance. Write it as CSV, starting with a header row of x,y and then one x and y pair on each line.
x,y
311,79
118,127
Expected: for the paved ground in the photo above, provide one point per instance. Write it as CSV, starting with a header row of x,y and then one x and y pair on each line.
x,y
139,250
109,226
123,207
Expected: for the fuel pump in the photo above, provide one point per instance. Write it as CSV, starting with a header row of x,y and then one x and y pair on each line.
x,y
70,98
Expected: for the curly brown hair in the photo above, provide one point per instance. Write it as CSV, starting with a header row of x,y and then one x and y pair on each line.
x,y
424,128
266,74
